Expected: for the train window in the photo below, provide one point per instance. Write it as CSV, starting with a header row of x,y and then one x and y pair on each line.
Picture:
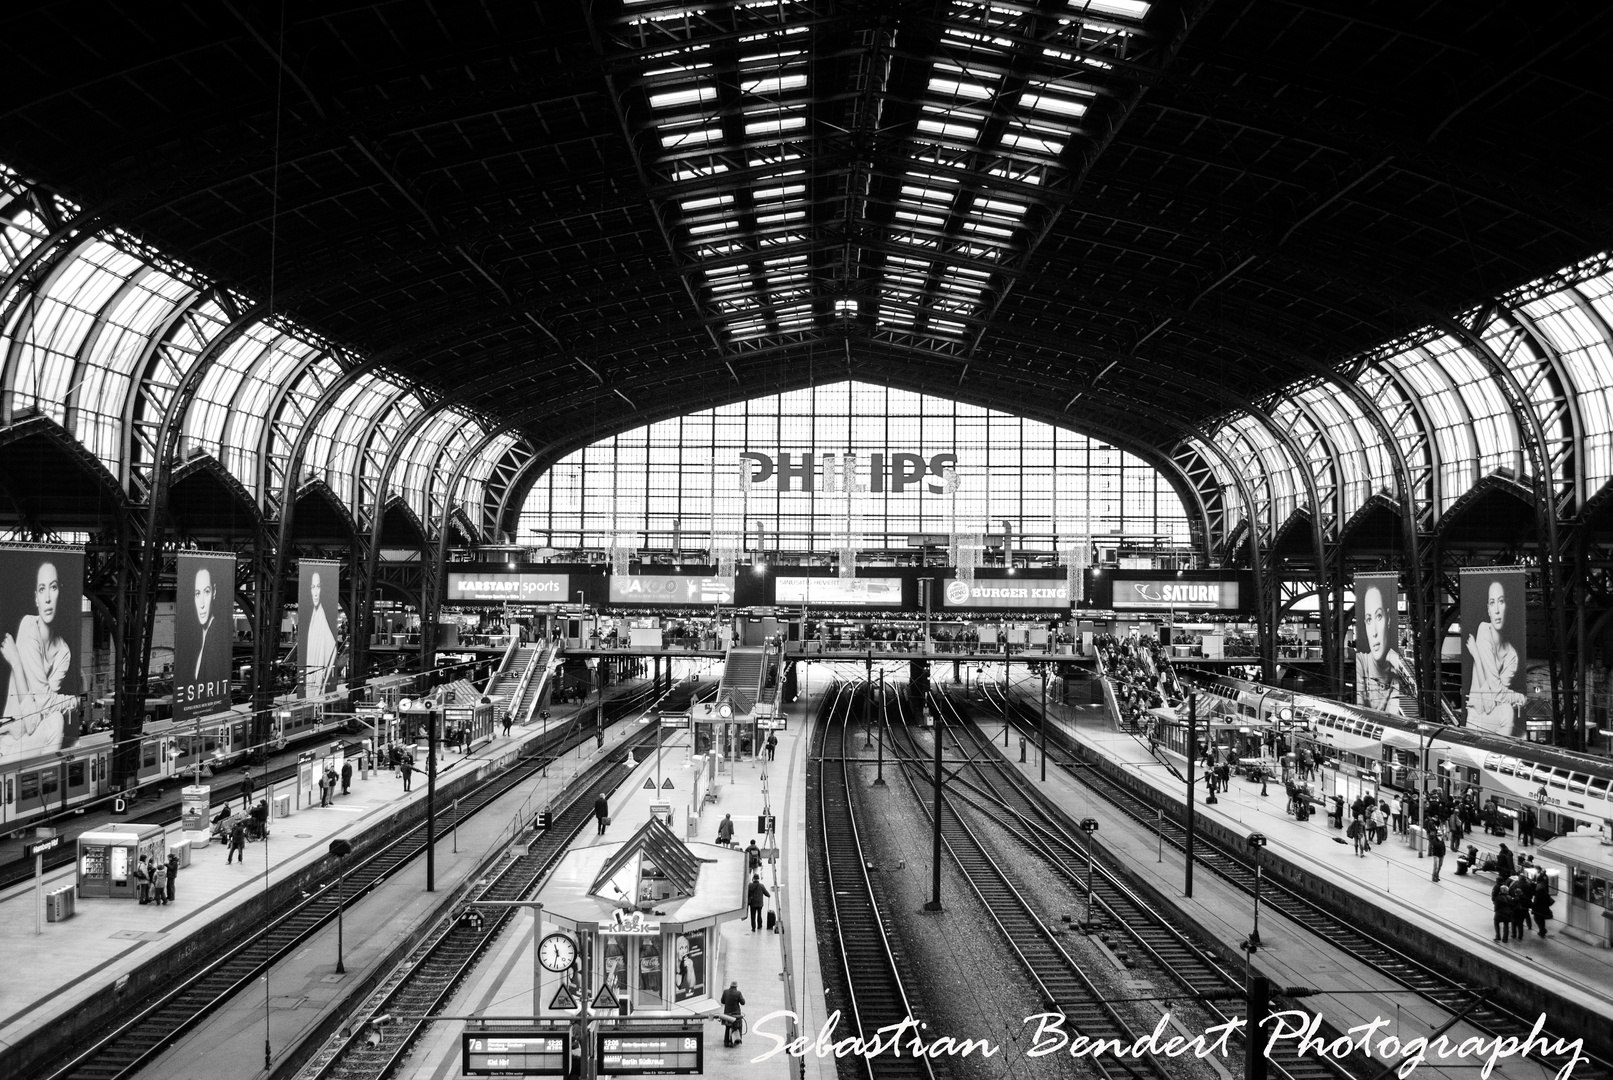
x,y
10,791
50,782
1581,884
28,786
148,753
75,774
1577,782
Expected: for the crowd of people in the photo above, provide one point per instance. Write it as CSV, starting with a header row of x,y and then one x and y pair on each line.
x,y
1140,673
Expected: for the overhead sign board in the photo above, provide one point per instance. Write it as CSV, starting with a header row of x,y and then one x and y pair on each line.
x,y
1133,594
670,589
524,1052
1006,593
508,587
650,1050
865,592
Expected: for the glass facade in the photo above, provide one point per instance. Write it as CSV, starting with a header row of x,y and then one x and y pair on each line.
x,y
685,473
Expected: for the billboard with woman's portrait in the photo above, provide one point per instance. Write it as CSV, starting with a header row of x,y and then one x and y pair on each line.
x,y
1380,672
41,599
1494,648
689,976
317,653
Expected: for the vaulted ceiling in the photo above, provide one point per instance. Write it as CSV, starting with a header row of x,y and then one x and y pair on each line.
x,y
1124,217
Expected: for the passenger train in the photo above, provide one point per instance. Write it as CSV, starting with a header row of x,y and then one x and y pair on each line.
x,y
1570,791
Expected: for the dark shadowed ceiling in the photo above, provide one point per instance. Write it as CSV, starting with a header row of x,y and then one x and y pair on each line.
x,y
1123,217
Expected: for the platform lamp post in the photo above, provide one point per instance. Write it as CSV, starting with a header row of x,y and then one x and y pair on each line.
x,y
1256,841
431,800
879,775
340,849
1088,826
1192,758
934,903
868,694
1426,733
1044,723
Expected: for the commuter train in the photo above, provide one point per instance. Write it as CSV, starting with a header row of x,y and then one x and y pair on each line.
x,y
1569,790
34,788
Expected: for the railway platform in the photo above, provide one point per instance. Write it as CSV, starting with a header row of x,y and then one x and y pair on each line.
x,y
96,953
775,971
1454,912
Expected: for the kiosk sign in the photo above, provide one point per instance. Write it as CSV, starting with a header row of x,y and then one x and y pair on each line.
x,y
528,1052
651,1050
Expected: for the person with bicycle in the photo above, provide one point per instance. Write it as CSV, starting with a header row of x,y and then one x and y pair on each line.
x,y
733,1018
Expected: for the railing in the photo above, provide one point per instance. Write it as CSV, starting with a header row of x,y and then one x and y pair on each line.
x,y
525,676
544,665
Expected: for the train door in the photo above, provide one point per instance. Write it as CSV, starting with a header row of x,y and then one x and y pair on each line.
x,y
39,790
8,797
80,781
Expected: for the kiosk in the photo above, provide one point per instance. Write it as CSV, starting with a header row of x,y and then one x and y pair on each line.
x,y
108,856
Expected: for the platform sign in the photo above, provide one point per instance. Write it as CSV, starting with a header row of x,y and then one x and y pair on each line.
x,y
516,1052
39,847
650,1050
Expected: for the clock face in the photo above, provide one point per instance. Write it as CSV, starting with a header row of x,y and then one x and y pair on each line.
x,y
557,952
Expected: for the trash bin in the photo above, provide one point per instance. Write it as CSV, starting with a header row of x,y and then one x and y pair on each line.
x,y
59,904
1413,836
182,849
282,805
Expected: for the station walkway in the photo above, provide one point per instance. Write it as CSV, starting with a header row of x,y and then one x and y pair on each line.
x,y
1455,911
775,971
89,955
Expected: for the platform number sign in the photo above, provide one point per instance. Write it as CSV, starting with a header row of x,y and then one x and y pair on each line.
x,y
625,1051
516,1052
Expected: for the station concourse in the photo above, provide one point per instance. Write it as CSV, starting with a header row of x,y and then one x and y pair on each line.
x,y
541,404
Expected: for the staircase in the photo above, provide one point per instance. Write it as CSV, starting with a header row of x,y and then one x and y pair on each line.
x,y
535,691
742,678
503,684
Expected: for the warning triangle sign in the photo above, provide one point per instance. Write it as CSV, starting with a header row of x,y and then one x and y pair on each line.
x,y
649,785
564,999
666,785
605,999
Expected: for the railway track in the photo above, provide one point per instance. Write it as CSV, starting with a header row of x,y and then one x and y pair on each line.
x,y
1058,977
1452,994
158,1025
1003,794
869,977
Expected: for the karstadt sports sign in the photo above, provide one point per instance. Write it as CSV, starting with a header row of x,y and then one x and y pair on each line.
x,y
1005,593
494,587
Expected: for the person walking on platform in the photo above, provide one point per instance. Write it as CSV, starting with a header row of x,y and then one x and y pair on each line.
x,y
347,776
602,812
1505,865
324,788
159,883
1380,823
1501,900
142,878
756,895
406,767
247,788
173,872
725,830
1397,815
733,1015
1436,851
1526,826
237,844
772,746
1358,835
753,857
509,721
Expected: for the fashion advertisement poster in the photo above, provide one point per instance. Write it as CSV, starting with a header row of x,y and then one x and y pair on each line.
x,y
690,976
317,586
1380,672
1494,648
41,598
204,623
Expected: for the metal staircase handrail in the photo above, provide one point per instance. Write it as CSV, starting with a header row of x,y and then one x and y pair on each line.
x,y
547,654
526,674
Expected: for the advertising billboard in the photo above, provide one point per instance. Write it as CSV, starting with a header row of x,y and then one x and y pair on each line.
x,y
864,592
1495,648
670,589
204,623
1132,594
1005,593
1380,673
495,587
317,667
41,601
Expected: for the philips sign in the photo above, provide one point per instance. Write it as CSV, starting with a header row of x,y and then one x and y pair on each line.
x,y
1000,593
849,473
512,588
1164,595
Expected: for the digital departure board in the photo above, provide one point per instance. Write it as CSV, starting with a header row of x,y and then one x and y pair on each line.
x,y
651,1050
516,1052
